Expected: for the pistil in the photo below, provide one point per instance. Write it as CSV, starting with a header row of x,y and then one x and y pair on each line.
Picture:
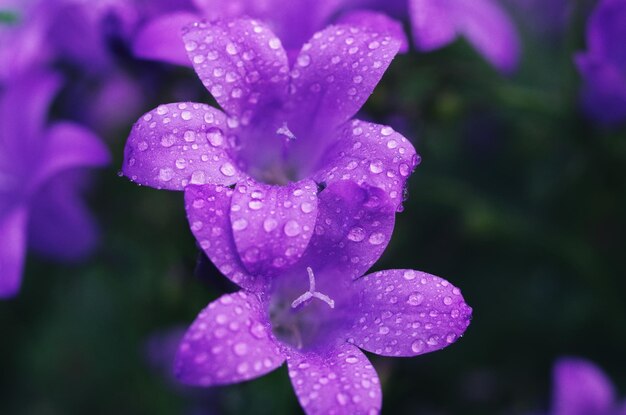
x,y
312,293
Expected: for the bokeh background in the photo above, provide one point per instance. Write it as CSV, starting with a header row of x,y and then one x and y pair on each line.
x,y
520,201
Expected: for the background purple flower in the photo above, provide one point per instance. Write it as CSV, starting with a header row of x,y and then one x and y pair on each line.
x,y
603,65
318,313
581,388
436,23
38,193
284,132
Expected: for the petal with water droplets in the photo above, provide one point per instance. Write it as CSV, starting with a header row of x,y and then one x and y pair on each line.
x,y
404,312
333,76
376,22
179,144
242,64
338,380
272,225
354,225
372,154
208,211
230,341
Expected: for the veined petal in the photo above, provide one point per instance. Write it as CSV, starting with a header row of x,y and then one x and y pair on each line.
x,y
161,39
230,341
242,64
68,146
580,388
12,250
178,144
376,22
339,380
403,312
208,211
61,226
354,225
333,76
370,154
272,225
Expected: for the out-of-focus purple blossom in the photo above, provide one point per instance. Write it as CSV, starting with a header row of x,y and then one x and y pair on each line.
x,y
39,201
436,23
285,131
321,311
581,388
543,18
603,65
294,22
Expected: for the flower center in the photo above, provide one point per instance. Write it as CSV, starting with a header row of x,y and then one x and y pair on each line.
x,y
311,293
300,323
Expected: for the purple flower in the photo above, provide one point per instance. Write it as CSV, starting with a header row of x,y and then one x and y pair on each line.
x,y
39,201
318,313
294,22
285,132
581,388
484,23
603,65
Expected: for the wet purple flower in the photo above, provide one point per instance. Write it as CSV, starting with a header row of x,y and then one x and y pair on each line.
x,y
294,22
603,65
581,388
320,312
284,131
39,201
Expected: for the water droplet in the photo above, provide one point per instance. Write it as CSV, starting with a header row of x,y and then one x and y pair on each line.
x,y
240,224
356,234
374,45
342,399
409,275
307,207
304,60
377,238
386,131
180,163
166,174
258,330
190,46
198,177
240,349
227,169
404,169
417,346
383,330
142,146
392,144
255,204
231,49
447,300
168,140
270,224
185,115
351,359
415,299
376,166
274,43
292,228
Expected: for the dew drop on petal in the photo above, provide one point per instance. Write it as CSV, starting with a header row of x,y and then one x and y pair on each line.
x,y
417,346
356,234
270,224
292,228
240,224
376,238
215,137
227,169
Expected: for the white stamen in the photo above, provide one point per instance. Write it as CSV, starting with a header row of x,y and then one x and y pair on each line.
x,y
284,130
311,293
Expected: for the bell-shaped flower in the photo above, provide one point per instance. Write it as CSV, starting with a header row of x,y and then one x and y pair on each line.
x,y
319,313
285,131
40,205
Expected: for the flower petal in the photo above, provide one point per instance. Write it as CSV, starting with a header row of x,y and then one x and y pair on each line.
x,y
208,208
432,23
354,225
333,76
488,27
372,154
604,91
580,388
242,64
230,341
376,22
338,381
161,39
177,144
60,225
403,312
272,225
68,146
12,250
